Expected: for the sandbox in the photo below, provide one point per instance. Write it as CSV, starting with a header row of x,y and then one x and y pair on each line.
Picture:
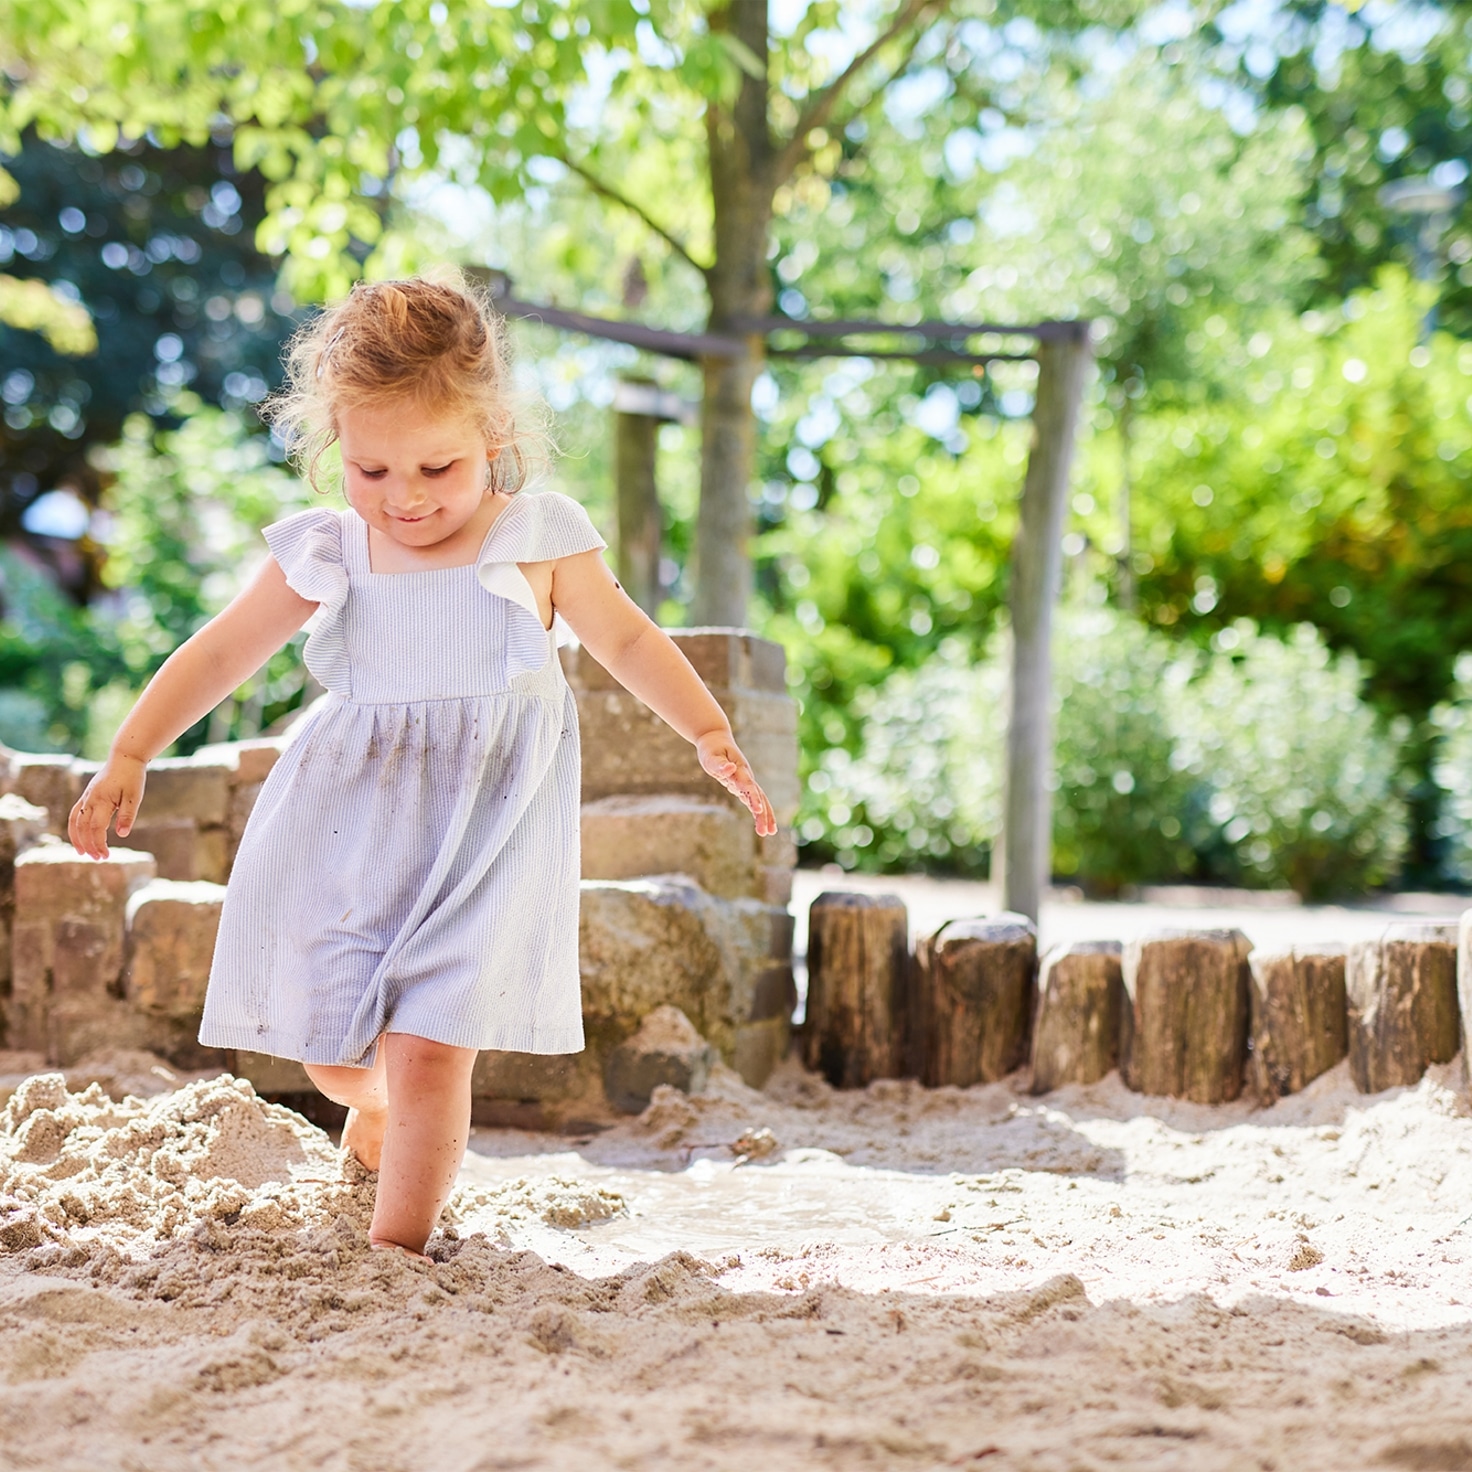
x,y
792,1277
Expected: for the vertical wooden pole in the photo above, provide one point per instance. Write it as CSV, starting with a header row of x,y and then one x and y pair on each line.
x,y
1036,566
640,529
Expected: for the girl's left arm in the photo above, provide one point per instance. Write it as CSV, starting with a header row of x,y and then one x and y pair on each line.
x,y
649,664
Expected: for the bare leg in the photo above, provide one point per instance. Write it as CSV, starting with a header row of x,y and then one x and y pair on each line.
x,y
364,1092
428,1127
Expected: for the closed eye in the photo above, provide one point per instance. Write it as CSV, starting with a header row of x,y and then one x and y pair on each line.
x,y
436,469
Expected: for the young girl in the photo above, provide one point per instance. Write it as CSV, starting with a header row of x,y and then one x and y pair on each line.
x,y
406,890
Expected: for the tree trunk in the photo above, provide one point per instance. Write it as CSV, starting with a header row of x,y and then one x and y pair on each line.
x,y
1076,1035
972,1000
1186,1014
1298,1017
640,526
742,175
1402,992
1036,564
858,964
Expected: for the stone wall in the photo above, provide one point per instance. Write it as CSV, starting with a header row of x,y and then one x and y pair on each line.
x,y
682,904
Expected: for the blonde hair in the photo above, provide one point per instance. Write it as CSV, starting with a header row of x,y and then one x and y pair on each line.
x,y
434,340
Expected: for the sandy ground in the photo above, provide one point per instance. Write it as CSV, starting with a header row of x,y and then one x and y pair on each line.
x,y
790,1278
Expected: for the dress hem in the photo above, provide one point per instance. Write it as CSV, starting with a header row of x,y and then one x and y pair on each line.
x,y
546,1043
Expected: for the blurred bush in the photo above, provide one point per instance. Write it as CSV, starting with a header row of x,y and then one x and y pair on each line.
x,y
1123,810
1254,764
180,522
1302,775
1452,773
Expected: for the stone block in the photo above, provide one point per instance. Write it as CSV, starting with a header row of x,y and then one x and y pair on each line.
x,y
1402,1004
1075,1037
531,1078
647,942
725,658
68,934
78,1026
51,782
268,1074
192,787
629,837
22,826
665,1050
242,802
170,943
760,1047
1299,1017
247,761
183,850
628,751
1186,1014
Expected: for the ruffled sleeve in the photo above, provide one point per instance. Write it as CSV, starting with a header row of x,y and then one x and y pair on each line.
x,y
535,527
308,546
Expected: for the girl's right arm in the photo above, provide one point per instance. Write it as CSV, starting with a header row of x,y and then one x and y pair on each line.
x,y
195,678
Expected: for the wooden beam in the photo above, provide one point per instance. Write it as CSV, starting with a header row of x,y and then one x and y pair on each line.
x,y
1036,565
640,524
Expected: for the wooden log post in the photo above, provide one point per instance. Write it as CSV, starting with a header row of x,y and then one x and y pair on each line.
x,y
1403,1014
640,407
1185,1017
1075,1037
1037,557
858,963
1299,1021
972,1000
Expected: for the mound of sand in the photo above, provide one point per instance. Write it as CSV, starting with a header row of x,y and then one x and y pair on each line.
x,y
794,1278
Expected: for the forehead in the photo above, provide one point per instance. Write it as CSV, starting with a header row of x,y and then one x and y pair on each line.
x,y
405,431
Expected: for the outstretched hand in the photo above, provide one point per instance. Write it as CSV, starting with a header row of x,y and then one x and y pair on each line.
x,y
721,758
117,788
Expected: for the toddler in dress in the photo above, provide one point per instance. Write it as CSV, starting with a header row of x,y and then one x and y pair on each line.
x,y
405,891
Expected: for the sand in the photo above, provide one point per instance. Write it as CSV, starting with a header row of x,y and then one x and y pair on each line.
x,y
790,1278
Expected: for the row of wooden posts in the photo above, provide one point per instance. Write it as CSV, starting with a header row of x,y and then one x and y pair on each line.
x,y
1193,1014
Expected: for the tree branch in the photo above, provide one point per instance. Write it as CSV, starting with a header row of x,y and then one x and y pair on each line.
x,y
820,108
600,186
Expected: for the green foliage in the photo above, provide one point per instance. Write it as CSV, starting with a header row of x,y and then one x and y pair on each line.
x,y
1329,482
156,247
1169,765
924,788
186,507
1124,810
1303,776
1385,95
183,514
1452,772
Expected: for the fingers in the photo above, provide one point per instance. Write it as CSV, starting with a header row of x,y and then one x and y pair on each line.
x,y
87,825
736,777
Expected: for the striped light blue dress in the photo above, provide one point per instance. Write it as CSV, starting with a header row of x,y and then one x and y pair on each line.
x,y
411,862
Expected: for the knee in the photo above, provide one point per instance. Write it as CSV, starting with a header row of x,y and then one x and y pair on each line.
x,y
421,1063
352,1087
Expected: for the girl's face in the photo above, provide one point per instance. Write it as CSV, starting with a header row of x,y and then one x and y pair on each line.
x,y
416,478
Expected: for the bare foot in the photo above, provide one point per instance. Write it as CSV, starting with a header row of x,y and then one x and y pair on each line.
x,y
400,1249
363,1135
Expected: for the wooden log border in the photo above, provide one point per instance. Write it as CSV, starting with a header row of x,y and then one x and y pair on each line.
x,y
1395,1005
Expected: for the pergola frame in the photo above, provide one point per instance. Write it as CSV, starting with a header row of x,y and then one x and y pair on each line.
x,y
1063,354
